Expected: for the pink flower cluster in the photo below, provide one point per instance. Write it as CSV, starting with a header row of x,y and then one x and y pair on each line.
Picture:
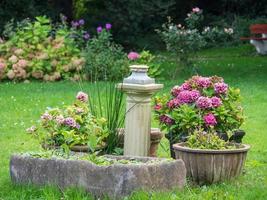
x,y
157,107
69,121
174,103
46,117
196,10
210,119
166,120
81,96
187,96
216,102
133,56
204,102
220,88
203,82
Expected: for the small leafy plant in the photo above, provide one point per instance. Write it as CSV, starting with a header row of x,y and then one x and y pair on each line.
x,y
105,60
201,105
73,125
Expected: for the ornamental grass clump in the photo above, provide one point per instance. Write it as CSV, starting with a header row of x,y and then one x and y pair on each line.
x,y
202,107
70,126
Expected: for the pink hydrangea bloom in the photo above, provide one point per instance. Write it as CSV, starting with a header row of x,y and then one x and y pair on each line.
x,y
204,102
60,119
69,121
220,88
186,86
187,96
22,63
195,94
81,96
46,117
176,90
133,56
166,120
216,102
174,103
210,119
157,107
203,82
2,66
13,59
196,10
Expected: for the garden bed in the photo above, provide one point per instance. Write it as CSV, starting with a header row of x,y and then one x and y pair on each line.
x,y
116,180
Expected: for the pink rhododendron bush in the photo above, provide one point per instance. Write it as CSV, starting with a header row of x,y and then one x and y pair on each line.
x,y
201,106
37,50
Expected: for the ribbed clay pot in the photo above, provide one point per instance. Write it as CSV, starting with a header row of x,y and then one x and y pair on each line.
x,y
155,137
206,166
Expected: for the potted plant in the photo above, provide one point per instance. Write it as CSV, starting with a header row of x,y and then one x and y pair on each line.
x,y
72,128
203,116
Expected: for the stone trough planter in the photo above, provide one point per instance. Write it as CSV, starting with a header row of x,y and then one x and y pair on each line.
x,y
116,180
212,166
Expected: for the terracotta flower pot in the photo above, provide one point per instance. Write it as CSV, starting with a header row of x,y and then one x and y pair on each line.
x,y
155,137
206,166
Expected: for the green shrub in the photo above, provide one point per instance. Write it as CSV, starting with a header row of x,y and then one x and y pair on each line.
x,y
105,60
39,50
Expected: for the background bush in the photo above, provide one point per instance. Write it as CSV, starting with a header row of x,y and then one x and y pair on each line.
x,y
134,21
39,50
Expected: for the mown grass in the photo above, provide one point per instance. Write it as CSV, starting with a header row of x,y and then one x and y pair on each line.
x,y
22,104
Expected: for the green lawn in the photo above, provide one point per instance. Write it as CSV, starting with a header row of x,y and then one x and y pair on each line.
x,y
22,104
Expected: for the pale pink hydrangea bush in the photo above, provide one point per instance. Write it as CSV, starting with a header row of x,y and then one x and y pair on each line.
x,y
71,125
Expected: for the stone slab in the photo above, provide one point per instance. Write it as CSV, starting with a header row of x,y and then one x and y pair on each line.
x,y
116,181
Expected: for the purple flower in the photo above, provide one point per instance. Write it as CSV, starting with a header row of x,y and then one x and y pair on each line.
x,y
108,26
60,119
86,36
81,96
204,102
203,82
166,120
78,126
99,29
210,119
216,102
186,86
174,103
46,117
81,22
74,24
220,88
194,95
133,56
69,121
187,96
